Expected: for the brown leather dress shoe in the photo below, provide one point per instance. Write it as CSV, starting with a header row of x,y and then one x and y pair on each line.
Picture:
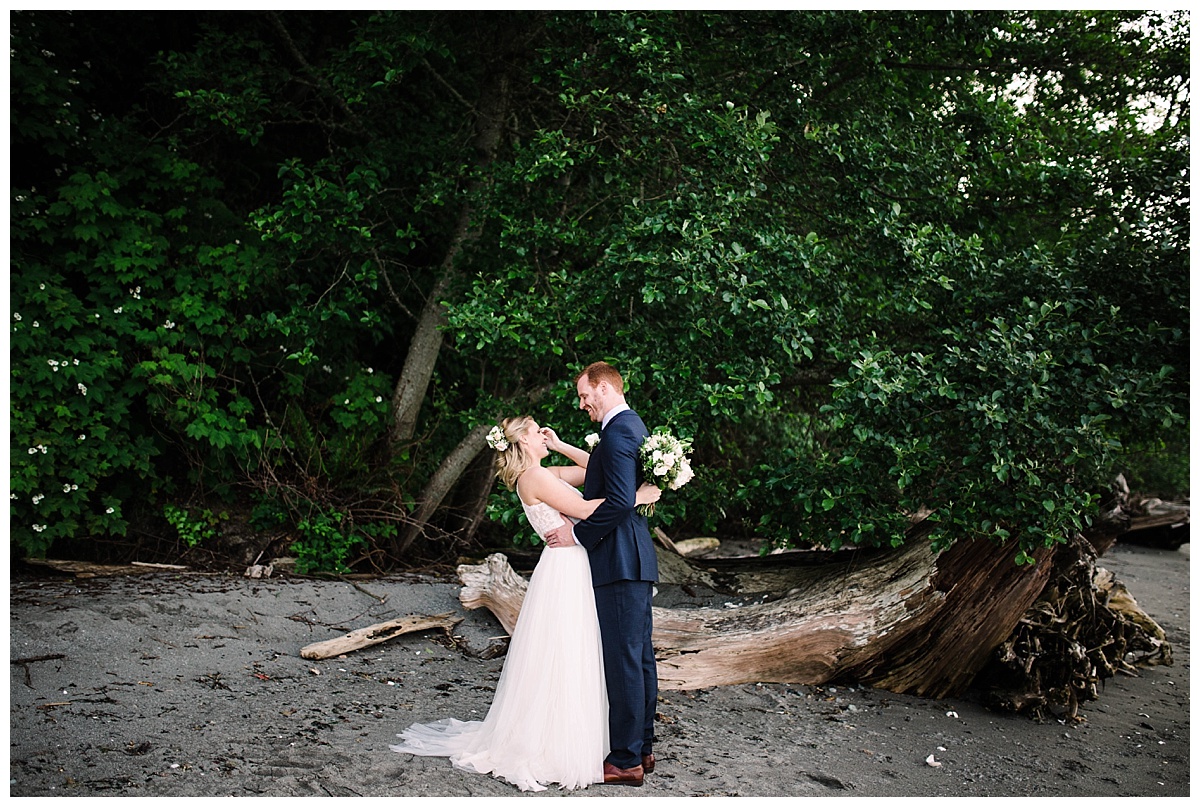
x,y
648,763
622,776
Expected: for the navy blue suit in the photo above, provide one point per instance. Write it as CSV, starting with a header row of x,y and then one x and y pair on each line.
x,y
624,569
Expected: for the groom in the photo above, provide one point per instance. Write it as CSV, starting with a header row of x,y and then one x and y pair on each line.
x,y
624,568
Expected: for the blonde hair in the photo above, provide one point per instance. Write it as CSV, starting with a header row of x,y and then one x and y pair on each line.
x,y
513,461
603,371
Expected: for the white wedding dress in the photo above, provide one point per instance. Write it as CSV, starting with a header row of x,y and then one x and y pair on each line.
x,y
549,717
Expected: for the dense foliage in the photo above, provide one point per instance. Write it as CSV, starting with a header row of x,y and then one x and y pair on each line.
x,y
871,264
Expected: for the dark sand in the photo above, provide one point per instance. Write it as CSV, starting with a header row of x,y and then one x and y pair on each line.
x,y
192,685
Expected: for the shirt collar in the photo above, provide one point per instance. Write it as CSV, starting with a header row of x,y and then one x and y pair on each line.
x,y
612,413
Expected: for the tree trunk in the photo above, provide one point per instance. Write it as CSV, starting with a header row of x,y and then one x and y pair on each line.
x,y
440,484
427,339
476,489
448,474
906,620
422,355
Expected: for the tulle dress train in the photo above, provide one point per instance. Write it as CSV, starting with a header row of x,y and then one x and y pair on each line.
x,y
548,722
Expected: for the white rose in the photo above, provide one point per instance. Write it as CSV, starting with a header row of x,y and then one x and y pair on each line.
x,y
685,475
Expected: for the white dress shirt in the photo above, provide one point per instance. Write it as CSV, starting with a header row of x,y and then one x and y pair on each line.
x,y
611,413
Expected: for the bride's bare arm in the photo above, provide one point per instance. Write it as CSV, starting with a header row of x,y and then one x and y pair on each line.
x,y
571,474
539,484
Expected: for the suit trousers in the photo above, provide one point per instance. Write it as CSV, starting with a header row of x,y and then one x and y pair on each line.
x,y
623,609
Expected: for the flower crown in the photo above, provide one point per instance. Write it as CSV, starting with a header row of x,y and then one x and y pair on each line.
x,y
495,439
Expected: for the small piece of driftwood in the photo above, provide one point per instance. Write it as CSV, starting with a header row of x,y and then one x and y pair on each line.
x,y
697,547
84,569
376,634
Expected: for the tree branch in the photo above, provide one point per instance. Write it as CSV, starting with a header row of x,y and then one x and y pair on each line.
x,y
325,86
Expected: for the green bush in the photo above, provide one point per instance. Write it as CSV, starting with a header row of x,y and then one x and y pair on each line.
x,y
194,530
324,545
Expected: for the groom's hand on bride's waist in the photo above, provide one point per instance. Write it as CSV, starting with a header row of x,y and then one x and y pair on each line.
x,y
561,536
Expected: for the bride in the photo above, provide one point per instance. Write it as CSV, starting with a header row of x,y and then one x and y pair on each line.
x,y
548,721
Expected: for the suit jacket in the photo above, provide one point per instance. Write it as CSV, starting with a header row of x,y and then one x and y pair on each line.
x,y
616,535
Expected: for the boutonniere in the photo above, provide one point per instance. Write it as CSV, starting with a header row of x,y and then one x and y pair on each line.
x,y
591,440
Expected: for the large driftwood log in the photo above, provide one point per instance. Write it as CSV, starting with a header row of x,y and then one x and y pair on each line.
x,y
375,634
906,620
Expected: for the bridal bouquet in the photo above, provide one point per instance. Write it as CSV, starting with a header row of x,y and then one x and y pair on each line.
x,y
664,462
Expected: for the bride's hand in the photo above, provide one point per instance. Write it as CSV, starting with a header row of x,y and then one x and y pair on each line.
x,y
552,441
648,494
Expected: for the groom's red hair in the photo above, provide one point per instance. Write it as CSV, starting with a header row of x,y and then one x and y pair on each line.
x,y
603,371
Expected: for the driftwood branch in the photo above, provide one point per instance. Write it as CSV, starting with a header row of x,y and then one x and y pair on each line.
x,y
376,634
81,568
1138,519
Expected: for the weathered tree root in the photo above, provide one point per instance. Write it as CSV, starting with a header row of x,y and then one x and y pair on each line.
x,y
1083,629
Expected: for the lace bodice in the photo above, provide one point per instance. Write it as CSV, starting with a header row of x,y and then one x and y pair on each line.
x,y
543,518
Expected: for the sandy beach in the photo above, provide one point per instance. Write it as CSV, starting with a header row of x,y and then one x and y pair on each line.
x,y
191,684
